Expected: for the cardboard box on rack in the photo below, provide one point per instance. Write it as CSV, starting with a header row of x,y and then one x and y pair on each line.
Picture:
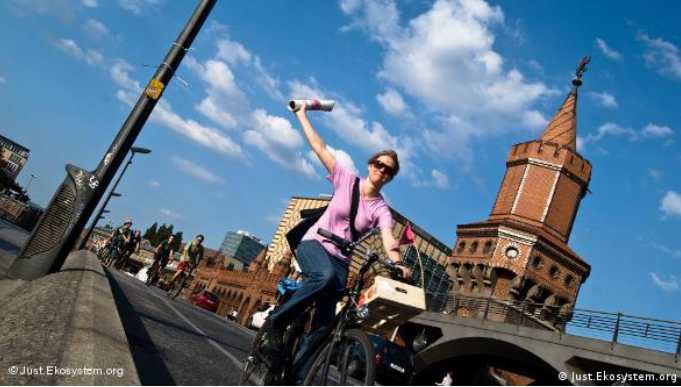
x,y
391,303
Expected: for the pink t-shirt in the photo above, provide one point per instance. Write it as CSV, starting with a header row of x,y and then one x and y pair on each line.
x,y
371,213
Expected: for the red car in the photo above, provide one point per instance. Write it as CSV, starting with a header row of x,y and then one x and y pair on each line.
x,y
205,300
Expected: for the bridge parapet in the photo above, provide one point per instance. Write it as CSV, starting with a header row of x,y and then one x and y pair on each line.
x,y
616,328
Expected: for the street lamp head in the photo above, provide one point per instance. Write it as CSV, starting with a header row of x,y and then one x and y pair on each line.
x,y
115,194
140,150
105,211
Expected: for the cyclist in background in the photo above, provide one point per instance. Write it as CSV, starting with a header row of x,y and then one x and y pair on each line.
x,y
132,247
120,238
164,252
191,257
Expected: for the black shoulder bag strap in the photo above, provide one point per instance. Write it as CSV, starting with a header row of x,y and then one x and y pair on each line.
x,y
353,209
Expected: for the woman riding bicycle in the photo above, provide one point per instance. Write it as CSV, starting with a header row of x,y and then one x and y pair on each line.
x,y
325,267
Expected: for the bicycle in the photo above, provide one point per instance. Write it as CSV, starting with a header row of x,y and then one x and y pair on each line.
x,y
154,272
177,285
341,355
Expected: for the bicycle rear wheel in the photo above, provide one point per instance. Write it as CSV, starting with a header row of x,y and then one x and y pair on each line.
x,y
351,363
257,369
177,288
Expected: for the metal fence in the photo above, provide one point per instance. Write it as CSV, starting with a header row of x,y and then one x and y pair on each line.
x,y
660,335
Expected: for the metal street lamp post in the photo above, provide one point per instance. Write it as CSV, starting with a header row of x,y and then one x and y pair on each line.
x,y
30,180
83,241
76,199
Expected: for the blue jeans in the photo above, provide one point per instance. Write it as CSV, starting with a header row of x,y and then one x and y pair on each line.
x,y
326,279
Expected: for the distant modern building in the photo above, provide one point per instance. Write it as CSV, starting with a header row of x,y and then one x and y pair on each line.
x,y
242,245
15,156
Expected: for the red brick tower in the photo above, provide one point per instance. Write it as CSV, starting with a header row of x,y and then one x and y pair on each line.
x,y
520,253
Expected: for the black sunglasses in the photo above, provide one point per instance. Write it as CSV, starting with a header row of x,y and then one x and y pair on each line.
x,y
378,164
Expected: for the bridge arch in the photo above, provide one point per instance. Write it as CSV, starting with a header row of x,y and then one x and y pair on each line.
x,y
461,355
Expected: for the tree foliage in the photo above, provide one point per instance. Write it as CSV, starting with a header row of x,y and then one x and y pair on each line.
x,y
155,235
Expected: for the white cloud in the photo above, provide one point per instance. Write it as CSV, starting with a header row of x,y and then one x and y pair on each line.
x,y
197,171
224,96
603,99
615,130
90,3
671,204
673,252
669,285
276,137
95,29
652,130
662,56
3,79
119,73
164,115
340,155
393,103
655,174
463,80
72,48
137,7
235,53
170,214
440,180
607,50
154,183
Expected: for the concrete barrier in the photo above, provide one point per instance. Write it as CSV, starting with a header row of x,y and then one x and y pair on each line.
x,y
64,329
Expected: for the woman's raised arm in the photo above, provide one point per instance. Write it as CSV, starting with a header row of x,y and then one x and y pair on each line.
x,y
316,142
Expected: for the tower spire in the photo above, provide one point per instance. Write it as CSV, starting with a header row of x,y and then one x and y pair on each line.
x,y
562,130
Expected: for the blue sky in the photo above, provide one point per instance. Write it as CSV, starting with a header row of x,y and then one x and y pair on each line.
x,y
451,85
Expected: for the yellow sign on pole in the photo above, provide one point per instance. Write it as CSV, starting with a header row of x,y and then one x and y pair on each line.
x,y
154,89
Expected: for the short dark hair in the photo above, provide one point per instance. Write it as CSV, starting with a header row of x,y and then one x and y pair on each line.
x,y
201,236
390,153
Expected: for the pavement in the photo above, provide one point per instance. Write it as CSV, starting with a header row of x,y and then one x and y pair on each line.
x,y
174,342
63,329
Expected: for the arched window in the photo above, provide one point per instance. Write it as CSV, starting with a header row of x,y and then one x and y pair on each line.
x,y
487,247
462,246
474,248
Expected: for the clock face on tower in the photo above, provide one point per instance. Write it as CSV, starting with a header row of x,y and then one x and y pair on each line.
x,y
511,251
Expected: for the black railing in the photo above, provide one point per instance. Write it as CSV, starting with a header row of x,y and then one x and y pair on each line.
x,y
660,335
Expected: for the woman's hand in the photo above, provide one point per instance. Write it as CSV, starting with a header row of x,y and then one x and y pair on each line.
x,y
406,272
301,111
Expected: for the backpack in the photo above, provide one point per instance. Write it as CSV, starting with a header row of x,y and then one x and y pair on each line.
x,y
310,216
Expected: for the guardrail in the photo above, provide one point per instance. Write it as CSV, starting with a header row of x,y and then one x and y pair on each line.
x,y
661,335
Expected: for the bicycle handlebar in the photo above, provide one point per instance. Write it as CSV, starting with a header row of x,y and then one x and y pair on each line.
x,y
348,247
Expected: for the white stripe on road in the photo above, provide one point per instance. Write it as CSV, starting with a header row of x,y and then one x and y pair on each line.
x,y
217,346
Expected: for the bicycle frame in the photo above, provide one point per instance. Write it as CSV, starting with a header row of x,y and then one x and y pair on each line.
x,y
343,320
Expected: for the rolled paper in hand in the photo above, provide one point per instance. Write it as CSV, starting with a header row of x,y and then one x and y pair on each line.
x,y
312,104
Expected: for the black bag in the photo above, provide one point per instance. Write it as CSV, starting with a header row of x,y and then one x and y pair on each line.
x,y
310,216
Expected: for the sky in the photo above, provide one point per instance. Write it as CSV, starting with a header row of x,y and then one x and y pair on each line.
x,y
451,85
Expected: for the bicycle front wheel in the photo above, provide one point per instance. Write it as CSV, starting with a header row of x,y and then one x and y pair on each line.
x,y
349,363
257,369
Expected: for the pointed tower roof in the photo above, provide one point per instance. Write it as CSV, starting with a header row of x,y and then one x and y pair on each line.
x,y
562,130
